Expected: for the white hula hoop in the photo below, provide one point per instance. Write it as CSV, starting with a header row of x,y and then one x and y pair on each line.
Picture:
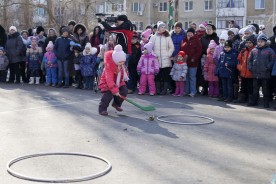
x,y
160,118
61,180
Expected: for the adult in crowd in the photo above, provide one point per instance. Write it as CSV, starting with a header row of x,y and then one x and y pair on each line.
x,y
233,35
27,42
191,45
233,24
272,40
163,47
124,31
3,37
40,32
52,36
71,24
80,35
202,30
205,41
97,38
14,47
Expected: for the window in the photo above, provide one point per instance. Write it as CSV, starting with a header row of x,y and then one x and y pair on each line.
x,y
137,7
230,3
188,5
259,22
223,23
108,8
259,4
139,25
163,7
100,9
40,12
187,24
208,5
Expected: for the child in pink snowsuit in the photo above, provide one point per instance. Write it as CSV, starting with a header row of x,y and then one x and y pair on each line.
x,y
209,71
179,72
148,67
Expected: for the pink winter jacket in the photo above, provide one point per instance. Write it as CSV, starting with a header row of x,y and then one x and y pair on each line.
x,y
148,64
209,67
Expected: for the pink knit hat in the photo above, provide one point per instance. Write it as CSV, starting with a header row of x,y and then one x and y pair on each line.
x,y
212,44
149,47
50,46
146,33
203,25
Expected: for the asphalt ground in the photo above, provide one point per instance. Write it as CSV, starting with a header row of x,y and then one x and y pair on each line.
x,y
239,148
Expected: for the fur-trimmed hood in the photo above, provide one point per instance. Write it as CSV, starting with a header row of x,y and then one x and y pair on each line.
x,y
53,30
166,33
77,26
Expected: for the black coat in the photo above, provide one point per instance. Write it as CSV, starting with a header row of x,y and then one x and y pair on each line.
x,y
3,37
205,40
14,48
47,40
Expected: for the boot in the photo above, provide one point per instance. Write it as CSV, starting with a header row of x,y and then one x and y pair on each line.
x,y
181,90
252,101
241,99
37,80
31,80
165,89
236,91
158,85
177,89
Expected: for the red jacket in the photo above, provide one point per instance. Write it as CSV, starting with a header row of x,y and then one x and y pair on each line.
x,y
193,50
109,75
243,63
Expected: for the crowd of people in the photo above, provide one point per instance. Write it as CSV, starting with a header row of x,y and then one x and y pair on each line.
x,y
118,60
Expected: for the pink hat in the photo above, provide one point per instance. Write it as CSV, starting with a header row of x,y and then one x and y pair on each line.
x,y
34,38
146,33
149,47
212,44
203,25
50,46
118,54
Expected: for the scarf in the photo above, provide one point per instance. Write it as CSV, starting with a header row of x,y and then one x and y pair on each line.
x,y
125,77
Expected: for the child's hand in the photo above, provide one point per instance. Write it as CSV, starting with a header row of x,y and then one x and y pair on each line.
x,y
117,94
226,64
49,62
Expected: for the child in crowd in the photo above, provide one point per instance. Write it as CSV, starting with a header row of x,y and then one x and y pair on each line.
x,y
148,67
87,65
179,72
145,38
76,59
112,83
260,63
209,71
219,48
132,64
34,56
3,65
226,71
50,62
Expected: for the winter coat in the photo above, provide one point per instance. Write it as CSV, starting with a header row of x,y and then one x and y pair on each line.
x,y
179,71
62,48
124,34
34,58
50,56
274,69
177,39
14,47
97,39
87,65
135,55
217,52
27,43
76,61
273,40
243,63
3,62
83,37
148,64
205,40
200,33
231,59
236,43
41,41
210,67
3,37
260,62
109,75
192,48
47,40
163,48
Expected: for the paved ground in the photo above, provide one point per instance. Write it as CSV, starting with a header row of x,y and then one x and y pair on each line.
x,y
239,148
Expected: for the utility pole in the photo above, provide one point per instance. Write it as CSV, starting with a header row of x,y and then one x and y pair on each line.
x,y
176,7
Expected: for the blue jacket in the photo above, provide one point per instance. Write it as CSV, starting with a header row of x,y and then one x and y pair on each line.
x,y
274,69
229,58
177,39
260,62
87,64
62,48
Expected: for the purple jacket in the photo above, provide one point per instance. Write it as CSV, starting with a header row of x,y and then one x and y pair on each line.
x,y
148,64
217,52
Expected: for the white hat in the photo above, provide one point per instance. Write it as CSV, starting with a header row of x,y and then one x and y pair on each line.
x,y
224,35
234,30
118,54
13,28
160,24
93,50
50,45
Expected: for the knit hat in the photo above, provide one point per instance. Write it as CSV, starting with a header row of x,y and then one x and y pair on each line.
x,y
118,54
39,29
50,46
160,24
34,38
241,31
181,53
252,39
72,22
178,24
262,37
122,18
224,35
192,30
228,43
64,29
2,49
203,25
233,30
13,28
149,47
212,44
248,29
146,33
